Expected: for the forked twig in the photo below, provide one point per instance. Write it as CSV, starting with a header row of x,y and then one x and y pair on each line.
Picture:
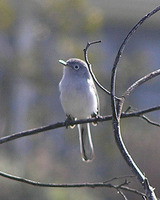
x,y
90,67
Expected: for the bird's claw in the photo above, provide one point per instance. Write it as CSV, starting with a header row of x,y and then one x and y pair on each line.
x,y
68,122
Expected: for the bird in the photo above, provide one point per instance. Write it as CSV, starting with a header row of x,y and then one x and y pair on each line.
x,y
79,99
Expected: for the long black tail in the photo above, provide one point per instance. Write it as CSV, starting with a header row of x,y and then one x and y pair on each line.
x,y
85,141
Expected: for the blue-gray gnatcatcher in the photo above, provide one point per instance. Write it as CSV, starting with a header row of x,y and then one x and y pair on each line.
x,y
79,100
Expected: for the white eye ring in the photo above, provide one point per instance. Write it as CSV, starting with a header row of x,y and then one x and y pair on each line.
x,y
76,67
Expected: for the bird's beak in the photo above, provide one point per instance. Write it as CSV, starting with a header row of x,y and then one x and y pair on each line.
x,y
63,62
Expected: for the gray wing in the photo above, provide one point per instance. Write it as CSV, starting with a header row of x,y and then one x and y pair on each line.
x,y
98,103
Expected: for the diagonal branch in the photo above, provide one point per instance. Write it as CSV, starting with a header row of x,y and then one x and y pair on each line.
x,y
141,81
90,67
150,121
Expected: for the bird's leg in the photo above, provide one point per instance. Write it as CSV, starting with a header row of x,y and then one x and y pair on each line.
x,y
96,116
69,120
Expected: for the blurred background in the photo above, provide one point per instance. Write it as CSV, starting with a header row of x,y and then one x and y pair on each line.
x,y
34,35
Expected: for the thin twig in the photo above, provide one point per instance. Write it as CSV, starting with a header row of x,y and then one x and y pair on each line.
x,y
69,185
118,178
90,67
141,81
140,112
133,190
145,111
129,109
82,121
122,194
119,189
150,121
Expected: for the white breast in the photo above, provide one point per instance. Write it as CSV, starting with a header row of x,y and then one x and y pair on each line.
x,y
78,100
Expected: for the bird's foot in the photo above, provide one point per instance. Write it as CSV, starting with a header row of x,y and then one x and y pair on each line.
x,y
96,116
68,121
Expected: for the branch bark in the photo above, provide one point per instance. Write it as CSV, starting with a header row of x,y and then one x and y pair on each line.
x,y
140,82
74,185
90,66
63,124
117,109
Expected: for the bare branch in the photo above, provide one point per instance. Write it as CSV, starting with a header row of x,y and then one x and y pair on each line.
x,y
143,117
133,191
122,194
119,177
117,109
119,190
141,112
90,67
140,82
149,121
123,45
82,121
70,185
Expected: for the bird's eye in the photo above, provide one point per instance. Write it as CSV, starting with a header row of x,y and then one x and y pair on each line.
x,y
76,67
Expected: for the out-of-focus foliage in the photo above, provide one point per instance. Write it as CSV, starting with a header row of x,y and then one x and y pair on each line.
x,y
34,35
7,15
74,17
